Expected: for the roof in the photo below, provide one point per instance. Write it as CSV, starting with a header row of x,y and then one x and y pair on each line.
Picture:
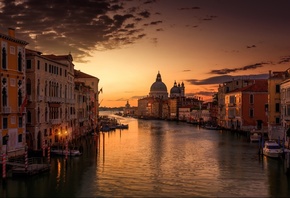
x,y
9,38
260,85
79,74
59,57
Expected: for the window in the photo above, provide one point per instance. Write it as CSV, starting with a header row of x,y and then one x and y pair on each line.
x,y
277,107
251,113
29,117
277,120
19,61
251,99
4,61
19,98
4,97
288,110
45,67
20,138
277,88
5,123
28,87
20,124
38,64
28,64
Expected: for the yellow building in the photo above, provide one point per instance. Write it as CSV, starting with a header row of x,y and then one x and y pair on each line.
x,y
274,103
13,92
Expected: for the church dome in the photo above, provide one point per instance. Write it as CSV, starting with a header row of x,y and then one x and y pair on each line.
x,y
158,88
175,89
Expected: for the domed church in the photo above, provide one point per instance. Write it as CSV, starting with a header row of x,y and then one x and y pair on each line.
x,y
177,90
158,89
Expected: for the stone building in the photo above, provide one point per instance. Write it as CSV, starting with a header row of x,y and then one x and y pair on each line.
x,y
50,108
12,100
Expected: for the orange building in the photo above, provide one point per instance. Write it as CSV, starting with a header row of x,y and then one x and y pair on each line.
x,y
246,108
13,94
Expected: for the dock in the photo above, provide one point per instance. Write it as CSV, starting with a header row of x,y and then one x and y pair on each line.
x,y
34,166
32,169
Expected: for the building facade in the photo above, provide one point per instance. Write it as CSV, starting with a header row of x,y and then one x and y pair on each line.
x,y
12,100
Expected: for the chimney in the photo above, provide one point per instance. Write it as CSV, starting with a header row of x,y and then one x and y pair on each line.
x,y
11,32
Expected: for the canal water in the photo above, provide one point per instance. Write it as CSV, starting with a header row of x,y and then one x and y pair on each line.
x,y
159,159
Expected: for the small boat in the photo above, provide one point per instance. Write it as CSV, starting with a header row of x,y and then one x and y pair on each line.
x,y
211,127
71,152
272,149
255,137
122,126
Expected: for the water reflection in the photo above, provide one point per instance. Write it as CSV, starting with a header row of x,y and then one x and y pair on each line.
x,y
159,159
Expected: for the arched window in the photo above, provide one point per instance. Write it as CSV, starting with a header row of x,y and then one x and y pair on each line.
x,y
46,114
45,89
4,61
28,87
19,61
4,97
28,117
38,87
19,97
38,115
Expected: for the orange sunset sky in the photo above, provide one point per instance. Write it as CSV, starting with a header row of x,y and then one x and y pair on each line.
x,y
201,43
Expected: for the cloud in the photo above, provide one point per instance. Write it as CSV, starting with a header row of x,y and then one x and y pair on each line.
x,y
284,59
244,68
224,78
78,27
190,8
251,46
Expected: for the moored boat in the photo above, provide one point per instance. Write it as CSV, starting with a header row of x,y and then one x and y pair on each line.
x,y
272,149
71,152
255,137
122,126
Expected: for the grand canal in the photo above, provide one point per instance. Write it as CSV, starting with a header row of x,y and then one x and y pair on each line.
x,y
159,159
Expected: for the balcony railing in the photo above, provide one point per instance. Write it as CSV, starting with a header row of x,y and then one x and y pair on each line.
x,y
6,110
55,121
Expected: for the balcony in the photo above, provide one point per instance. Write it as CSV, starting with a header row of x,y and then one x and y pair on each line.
x,y
231,104
231,116
55,121
6,110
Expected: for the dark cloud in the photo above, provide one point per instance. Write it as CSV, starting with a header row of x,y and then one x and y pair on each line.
x,y
149,1
78,26
285,59
251,46
224,78
190,8
247,67
145,14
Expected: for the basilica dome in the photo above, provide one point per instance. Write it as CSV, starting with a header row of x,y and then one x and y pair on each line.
x,y
158,88
175,89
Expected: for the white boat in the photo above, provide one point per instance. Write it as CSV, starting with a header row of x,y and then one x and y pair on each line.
x,y
272,149
63,152
255,137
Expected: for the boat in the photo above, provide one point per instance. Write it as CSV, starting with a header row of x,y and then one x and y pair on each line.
x,y
71,152
255,137
211,127
272,149
122,126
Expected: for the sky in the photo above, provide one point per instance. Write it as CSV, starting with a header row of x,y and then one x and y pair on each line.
x,y
125,43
